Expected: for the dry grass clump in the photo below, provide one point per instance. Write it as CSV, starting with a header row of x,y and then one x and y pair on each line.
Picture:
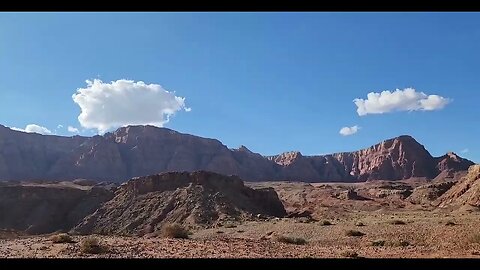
x,y
400,243
397,222
291,240
91,245
325,223
475,238
354,233
349,254
175,231
378,243
450,223
61,238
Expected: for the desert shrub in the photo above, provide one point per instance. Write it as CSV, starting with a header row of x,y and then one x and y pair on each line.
x,y
359,224
378,243
61,238
475,238
325,223
400,243
397,222
450,223
349,254
175,231
291,240
91,245
354,233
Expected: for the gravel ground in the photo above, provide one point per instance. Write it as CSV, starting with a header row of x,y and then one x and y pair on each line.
x,y
426,233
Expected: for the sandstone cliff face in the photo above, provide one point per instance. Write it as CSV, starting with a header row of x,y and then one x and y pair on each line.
x,y
30,156
38,209
464,192
398,158
145,150
143,205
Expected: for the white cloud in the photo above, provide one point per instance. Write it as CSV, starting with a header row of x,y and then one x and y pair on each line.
x,y
32,128
59,126
347,131
72,129
407,99
464,151
124,102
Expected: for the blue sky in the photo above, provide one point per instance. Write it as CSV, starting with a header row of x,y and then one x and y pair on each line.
x,y
273,82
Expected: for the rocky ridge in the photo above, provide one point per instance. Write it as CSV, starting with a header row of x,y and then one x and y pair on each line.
x,y
199,199
144,150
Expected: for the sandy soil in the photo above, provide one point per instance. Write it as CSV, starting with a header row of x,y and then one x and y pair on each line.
x,y
426,233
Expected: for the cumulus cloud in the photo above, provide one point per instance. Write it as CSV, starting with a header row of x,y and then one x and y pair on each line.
x,y
464,151
32,128
60,126
125,102
407,99
72,129
347,131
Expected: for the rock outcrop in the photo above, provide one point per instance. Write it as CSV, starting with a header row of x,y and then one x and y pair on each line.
x,y
464,192
198,199
46,208
145,150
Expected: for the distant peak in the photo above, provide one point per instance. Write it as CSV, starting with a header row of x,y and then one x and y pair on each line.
x,y
453,156
407,139
403,138
243,148
139,129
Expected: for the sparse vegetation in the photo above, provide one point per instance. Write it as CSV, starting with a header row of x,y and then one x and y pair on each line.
x,y
354,233
230,225
91,245
400,243
325,223
397,222
450,223
349,254
61,238
175,231
291,240
475,238
359,224
378,243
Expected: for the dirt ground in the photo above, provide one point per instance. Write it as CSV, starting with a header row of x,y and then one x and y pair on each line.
x,y
425,234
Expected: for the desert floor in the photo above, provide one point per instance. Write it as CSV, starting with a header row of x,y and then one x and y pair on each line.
x,y
424,234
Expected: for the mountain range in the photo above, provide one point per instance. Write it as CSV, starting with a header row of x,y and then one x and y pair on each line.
x,y
134,151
